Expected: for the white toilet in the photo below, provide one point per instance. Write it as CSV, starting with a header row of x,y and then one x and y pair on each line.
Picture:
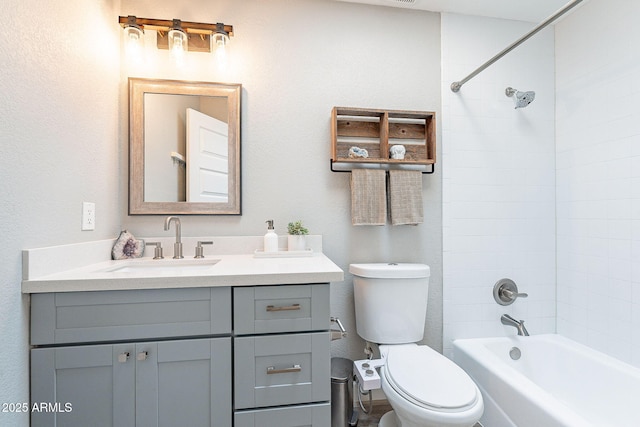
x,y
424,388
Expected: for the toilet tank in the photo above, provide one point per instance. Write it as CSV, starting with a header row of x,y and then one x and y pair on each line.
x,y
391,301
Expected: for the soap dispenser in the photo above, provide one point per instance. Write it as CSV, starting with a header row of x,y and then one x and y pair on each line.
x,y
271,238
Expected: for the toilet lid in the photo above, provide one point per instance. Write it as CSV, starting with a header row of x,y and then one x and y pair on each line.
x,y
429,379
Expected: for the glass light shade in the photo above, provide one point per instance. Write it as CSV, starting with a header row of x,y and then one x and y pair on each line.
x,y
178,42
218,46
134,40
219,40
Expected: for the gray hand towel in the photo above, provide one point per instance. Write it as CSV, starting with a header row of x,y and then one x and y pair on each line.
x,y
368,197
405,197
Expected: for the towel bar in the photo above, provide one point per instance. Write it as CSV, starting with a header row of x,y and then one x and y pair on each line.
x,y
385,166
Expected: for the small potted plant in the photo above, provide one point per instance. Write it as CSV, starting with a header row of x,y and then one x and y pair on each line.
x,y
296,241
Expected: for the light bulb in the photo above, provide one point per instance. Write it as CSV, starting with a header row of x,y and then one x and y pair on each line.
x,y
134,41
219,42
178,43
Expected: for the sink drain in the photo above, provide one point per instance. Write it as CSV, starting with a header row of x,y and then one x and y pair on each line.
x,y
515,353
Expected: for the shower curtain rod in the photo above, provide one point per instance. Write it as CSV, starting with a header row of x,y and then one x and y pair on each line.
x,y
455,86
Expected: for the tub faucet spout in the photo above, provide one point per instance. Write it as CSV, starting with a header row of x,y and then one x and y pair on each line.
x,y
518,324
177,246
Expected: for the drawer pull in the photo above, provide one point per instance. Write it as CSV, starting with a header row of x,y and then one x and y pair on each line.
x,y
272,370
283,308
142,356
123,357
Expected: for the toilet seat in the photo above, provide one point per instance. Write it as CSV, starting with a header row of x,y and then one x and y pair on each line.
x,y
429,380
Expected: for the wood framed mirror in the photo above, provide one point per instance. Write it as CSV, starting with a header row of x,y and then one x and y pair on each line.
x,y
184,147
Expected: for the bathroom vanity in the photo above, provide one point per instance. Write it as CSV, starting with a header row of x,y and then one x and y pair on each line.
x,y
244,342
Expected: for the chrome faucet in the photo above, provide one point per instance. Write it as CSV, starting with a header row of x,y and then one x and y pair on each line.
x,y
177,246
519,325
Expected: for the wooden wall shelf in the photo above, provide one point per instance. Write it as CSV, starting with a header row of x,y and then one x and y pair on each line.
x,y
377,130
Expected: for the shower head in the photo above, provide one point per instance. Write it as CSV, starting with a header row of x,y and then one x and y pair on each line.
x,y
522,99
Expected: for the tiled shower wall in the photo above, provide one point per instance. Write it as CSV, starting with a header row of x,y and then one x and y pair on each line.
x,y
498,178
598,175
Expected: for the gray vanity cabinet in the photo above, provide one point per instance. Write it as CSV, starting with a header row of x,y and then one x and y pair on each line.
x,y
282,356
167,357
144,375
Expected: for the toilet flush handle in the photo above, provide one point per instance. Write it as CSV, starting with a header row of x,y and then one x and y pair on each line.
x,y
341,333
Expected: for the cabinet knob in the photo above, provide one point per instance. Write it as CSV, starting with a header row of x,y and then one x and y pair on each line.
x,y
142,355
123,357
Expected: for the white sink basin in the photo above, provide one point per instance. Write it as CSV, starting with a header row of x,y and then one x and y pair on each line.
x,y
163,266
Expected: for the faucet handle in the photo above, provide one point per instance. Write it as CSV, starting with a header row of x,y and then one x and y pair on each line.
x,y
200,249
513,295
157,253
505,292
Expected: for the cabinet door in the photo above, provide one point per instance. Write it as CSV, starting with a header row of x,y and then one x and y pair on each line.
x,y
83,386
184,383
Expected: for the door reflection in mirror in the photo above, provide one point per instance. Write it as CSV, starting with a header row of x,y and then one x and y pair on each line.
x,y
166,128
207,158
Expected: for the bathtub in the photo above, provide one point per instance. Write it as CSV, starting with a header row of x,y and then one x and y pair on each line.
x,y
555,382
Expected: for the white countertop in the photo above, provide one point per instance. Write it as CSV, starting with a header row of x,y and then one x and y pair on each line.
x,y
230,270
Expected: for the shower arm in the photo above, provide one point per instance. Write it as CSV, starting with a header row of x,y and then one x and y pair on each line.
x,y
455,86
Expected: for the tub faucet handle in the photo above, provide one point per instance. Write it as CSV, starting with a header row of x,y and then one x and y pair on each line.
x,y
513,295
505,292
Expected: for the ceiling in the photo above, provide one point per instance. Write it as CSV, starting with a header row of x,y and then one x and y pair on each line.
x,y
523,10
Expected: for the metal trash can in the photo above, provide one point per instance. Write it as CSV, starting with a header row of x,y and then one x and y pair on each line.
x,y
342,413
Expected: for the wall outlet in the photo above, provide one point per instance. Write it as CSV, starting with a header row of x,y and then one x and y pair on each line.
x,y
88,216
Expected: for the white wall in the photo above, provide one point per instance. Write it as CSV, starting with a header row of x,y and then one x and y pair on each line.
x,y
59,147
64,140
498,179
598,174
297,60
64,134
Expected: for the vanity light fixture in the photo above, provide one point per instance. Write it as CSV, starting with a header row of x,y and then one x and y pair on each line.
x,y
177,34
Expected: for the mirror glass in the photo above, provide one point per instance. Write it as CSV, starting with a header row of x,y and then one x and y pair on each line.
x,y
184,147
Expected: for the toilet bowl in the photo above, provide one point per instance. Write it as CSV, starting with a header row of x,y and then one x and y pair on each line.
x,y
424,388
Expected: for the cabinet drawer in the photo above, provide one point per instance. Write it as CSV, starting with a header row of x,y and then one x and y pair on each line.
x,y
292,416
77,317
282,369
285,308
